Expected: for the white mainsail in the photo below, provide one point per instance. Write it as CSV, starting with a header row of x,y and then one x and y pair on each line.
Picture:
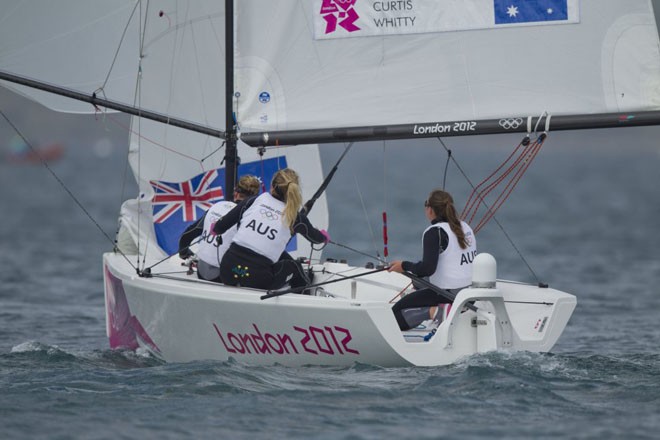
x,y
607,60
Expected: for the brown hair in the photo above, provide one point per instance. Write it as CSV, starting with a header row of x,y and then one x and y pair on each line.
x,y
286,187
442,205
248,185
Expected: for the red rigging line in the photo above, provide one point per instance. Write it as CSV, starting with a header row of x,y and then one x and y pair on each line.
x,y
385,251
510,175
477,195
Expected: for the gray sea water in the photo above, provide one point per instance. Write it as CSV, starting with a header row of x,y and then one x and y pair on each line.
x,y
584,217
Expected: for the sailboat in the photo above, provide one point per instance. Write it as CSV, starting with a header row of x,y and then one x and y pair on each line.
x,y
281,77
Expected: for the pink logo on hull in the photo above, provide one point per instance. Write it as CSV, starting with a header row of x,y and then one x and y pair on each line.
x,y
339,12
124,329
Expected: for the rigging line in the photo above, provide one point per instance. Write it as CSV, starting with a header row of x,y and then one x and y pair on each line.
x,y
366,215
273,293
511,184
365,281
123,195
151,141
138,98
444,175
477,197
410,284
524,161
62,184
385,196
148,269
481,194
497,222
310,203
214,151
358,252
121,40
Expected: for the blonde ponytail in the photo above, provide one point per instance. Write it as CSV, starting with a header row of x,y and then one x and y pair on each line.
x,y
286,186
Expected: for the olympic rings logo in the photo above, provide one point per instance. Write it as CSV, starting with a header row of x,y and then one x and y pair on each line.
x,y
511,123
270,215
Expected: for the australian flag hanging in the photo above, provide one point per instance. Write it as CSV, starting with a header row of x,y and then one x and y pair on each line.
x,y
177,204
530,11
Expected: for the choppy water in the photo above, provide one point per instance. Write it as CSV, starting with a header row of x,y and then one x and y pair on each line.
x,y
585,218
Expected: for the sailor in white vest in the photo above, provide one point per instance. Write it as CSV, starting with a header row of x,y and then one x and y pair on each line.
x,y
449,248
211,250
266,223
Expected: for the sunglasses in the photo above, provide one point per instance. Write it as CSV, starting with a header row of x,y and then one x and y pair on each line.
x,y
426,204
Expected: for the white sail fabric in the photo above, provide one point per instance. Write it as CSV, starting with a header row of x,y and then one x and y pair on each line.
x,y
607,61
72,44
182,75
167,57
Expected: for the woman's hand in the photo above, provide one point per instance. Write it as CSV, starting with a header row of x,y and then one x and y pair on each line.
x,y
396,266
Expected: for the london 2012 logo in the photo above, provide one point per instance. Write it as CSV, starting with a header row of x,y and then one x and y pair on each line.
x,y
339,13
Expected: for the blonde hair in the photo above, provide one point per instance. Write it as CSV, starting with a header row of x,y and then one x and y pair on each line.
x,y
286,187
248,185
442,205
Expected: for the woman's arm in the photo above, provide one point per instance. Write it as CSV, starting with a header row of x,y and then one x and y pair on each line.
x,y
434,243
303,227
233,216
193,231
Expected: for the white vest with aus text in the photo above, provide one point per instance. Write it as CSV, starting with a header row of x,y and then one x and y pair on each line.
x,y
262,229
209,251
455,264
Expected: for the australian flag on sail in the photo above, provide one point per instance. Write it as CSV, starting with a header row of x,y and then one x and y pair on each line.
x,y
530,11
177,205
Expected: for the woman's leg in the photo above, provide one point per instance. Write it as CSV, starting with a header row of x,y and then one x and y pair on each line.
x,y
418,298
288,270
246,268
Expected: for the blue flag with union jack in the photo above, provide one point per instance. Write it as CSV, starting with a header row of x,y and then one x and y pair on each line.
x,y
177,204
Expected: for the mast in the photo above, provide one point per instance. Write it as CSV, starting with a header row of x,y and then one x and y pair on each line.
x,y
231,153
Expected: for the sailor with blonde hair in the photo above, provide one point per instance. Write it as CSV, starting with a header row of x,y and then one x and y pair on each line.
x,y
265,224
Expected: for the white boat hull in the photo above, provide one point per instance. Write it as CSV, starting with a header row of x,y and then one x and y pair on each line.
x,y
180,318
